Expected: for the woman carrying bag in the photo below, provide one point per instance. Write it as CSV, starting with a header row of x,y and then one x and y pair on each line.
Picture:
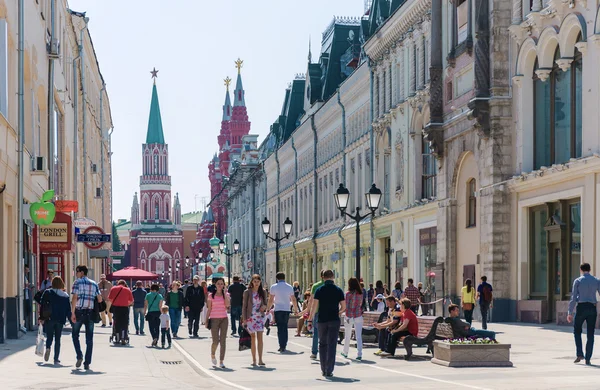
x,y
175,302
218,303
254,307
55,315
152,305
468,300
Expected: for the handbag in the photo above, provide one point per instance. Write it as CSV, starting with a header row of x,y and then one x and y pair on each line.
x,y
467,306
40,342
208,324
245,340
148,317
111,306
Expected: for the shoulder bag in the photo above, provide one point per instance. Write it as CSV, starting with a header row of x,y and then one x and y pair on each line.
x,y
148,316
112,306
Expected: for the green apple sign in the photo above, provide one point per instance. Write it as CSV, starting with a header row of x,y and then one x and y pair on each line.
x,y
42,212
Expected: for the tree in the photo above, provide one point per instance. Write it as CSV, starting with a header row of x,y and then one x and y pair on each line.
x,y
116,243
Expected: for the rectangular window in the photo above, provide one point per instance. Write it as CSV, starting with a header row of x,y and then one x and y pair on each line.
x,y
4,68
428,185
539,252
542,132
462,19
427,255
562,117
575,229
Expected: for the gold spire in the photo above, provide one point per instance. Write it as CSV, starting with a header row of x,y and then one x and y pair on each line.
x,y
214,229
238,64
227,82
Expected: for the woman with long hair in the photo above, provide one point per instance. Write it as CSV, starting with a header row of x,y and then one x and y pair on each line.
x,y
468,300
254,305
354,312
218,303
397,292
60,310
152,305
175,300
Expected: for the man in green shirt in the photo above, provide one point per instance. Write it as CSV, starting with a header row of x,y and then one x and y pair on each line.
x,y
315,340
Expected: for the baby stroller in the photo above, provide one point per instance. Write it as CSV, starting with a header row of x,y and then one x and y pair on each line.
x,y
120,328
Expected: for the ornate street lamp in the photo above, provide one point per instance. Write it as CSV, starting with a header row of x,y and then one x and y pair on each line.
x,y
287,230
342,196
223,249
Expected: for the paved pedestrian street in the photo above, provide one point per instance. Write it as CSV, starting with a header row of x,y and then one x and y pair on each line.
x,y
542,358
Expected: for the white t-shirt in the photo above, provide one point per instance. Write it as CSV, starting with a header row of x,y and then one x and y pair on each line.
x,y
282,293
164,318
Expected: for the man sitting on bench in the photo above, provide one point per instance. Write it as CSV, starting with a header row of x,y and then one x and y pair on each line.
x,y
409,326
462,328
390,322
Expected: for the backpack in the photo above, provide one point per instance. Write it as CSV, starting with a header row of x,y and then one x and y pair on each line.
x,y
487,293
46,302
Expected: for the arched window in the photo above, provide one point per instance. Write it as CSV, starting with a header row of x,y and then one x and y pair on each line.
x,y
557,114
156,210
145,210
167,211
471,203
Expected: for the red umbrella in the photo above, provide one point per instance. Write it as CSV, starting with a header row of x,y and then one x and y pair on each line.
x,y
132,273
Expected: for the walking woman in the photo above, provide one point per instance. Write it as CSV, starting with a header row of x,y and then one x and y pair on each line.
x,y
205,307
397,292
354,317
468,300
60,311
218,303
175,302
152,305
253,316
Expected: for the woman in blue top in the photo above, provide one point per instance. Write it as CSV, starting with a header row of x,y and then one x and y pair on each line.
x,y
56,309
152,305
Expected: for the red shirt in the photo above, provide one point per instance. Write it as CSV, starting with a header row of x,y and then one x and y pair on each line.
x,y
413,325
124,296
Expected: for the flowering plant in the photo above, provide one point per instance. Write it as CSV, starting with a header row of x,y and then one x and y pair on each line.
x,y
471,340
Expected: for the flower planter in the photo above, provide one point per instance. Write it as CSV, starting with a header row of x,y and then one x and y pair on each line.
x,y
471,355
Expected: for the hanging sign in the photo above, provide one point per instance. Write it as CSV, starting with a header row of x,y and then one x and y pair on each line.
x,y
67,206
43,212
84,223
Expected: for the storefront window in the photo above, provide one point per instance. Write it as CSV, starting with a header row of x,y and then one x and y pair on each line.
x,y
575,212
428,256
539,252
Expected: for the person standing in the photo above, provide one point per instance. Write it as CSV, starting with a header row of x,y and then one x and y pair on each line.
x,y
486,298
120,298
139,297
152,305
297,292
330,301
281,293
194,303
236,293
467,300
254,305
175,301
379,290
218,303
370,295
315,316
105,287
165,323
584,292
397,291
354,312
411,292
83,294
47,283
27,308
60,311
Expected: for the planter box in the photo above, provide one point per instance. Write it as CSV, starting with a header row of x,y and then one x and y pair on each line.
x,y
471,355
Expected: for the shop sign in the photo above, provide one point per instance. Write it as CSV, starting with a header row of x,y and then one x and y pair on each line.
x,y
55,236
84,223
43,212
67,206
428,236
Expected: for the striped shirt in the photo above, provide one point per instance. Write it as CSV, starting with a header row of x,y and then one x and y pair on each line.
x,y
354,305
86,290
218,309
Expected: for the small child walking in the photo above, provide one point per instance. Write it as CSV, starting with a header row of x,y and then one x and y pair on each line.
x,y
165,325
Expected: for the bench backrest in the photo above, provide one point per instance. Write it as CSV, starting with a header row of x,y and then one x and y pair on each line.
x,y
444,331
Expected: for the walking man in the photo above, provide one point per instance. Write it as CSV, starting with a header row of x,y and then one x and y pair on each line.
x,y
83,294
281,294
194,302
105,287
485,296
330,301
315,329
139,297
584,292
236,293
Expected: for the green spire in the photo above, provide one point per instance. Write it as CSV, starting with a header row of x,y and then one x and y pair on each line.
x,y
155,130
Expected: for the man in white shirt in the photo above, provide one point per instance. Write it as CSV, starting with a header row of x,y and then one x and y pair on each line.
x,y
282,295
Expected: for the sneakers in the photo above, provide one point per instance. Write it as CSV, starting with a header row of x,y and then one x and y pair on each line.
x,y
359,358
344,355
56,361
213,360
378,352
313,356
47,354
103,326
79,361
222,365
137,332
385,354
162,346
169,345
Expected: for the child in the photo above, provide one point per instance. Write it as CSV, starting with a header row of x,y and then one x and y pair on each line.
x,y
380,303
269,319
165,325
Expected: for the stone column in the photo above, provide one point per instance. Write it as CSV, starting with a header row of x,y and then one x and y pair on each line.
x,y
381,88
517,12
536,6
401,73
391,83
412,51
375,93
422,69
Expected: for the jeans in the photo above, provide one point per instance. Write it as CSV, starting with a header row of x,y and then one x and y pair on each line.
x,y
469,316
393,342
485,308
358,324
327,344
165,332
382,339
53,332
585,312
236,314
138,315
282,319
84,317
315,340
194,320
175,320
482,333
154,324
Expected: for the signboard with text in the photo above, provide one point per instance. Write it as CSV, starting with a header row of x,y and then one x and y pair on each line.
x,y
67,206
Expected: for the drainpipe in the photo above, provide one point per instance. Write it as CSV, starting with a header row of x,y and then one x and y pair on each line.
x,y
343,178
372,158
102,150
51,128
110,170
296,208
315,198
75,92
84,116
253,226
21,129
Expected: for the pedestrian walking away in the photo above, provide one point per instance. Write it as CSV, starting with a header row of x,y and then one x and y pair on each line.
x,y
354,317
236,292
583,303
281,294
175,301
486,298
83,294
105,287
330,301
56,310
139,297
467,300
218,303
315,318
194,304
254,306
165,323
120,299
152,305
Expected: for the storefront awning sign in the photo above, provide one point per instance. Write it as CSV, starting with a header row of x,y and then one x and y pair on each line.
x,y
84,223
42,213
67,206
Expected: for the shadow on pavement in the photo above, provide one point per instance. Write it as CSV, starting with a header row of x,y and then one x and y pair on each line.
x,y
260,368
342,364
226,369
51,365
339,379
13,346
76,371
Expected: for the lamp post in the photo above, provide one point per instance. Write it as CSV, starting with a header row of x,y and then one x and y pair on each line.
x,y
208,259
287,229
341,200
198,259
223,249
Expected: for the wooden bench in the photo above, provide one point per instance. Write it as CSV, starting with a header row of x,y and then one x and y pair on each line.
x,y
438,330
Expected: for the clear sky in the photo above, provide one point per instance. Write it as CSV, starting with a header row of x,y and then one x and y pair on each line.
x,y
193,44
